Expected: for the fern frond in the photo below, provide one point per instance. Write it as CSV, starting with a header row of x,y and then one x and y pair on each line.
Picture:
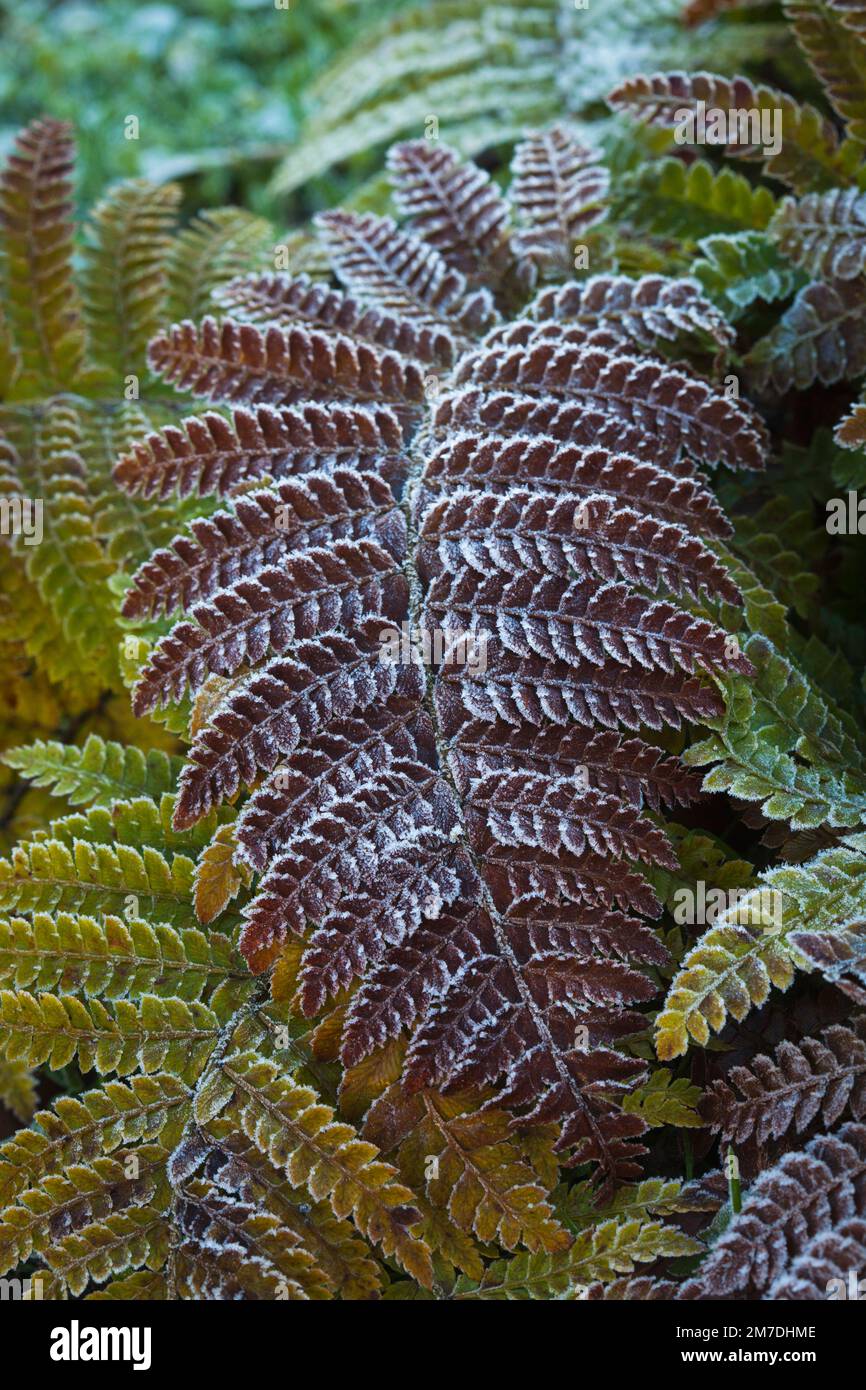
x,y
264,529
79,1129
98,773
610,1249
737,270
69,567
824,233
50,875
216,247
110,960
837,53
239,362
454,207
781,744
210,455
124,281
42,305
671,198
558,188
809,157
819,338
18,1090
287,301
839,954
807,1193
122,1240
402,274
669,404
299,1135
823,1076
750,948
644,312
155,1035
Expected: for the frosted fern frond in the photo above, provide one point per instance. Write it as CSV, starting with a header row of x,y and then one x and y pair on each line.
x,y
809,153
418,870
558,188
818,1077
815,1192
824,232
96,774
751,947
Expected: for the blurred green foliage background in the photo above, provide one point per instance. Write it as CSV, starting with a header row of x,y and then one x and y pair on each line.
x,y
216,86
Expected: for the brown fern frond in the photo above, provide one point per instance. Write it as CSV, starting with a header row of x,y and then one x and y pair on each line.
x,y
539,462
340,850
685,411
264,528
840,956
829,1266
559,189
563,536
825,233
823,1076
851,13
456,852
641,311
208,454
403,903
512,1020
538,812
806,1194
529,690
266,717
321,590
400,273
239,362
333,764
627,768
580,424
286,300
576,622
455,208
809,149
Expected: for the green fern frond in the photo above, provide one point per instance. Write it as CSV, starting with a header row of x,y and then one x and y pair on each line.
x,y
68,567
780,744
155,1035
737,270
609,1249
110,959
837,53
50,875
84,1194
78,1129
42,308
749,950
670,198
666,1100
98,773
123,1240
124,278
213,249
